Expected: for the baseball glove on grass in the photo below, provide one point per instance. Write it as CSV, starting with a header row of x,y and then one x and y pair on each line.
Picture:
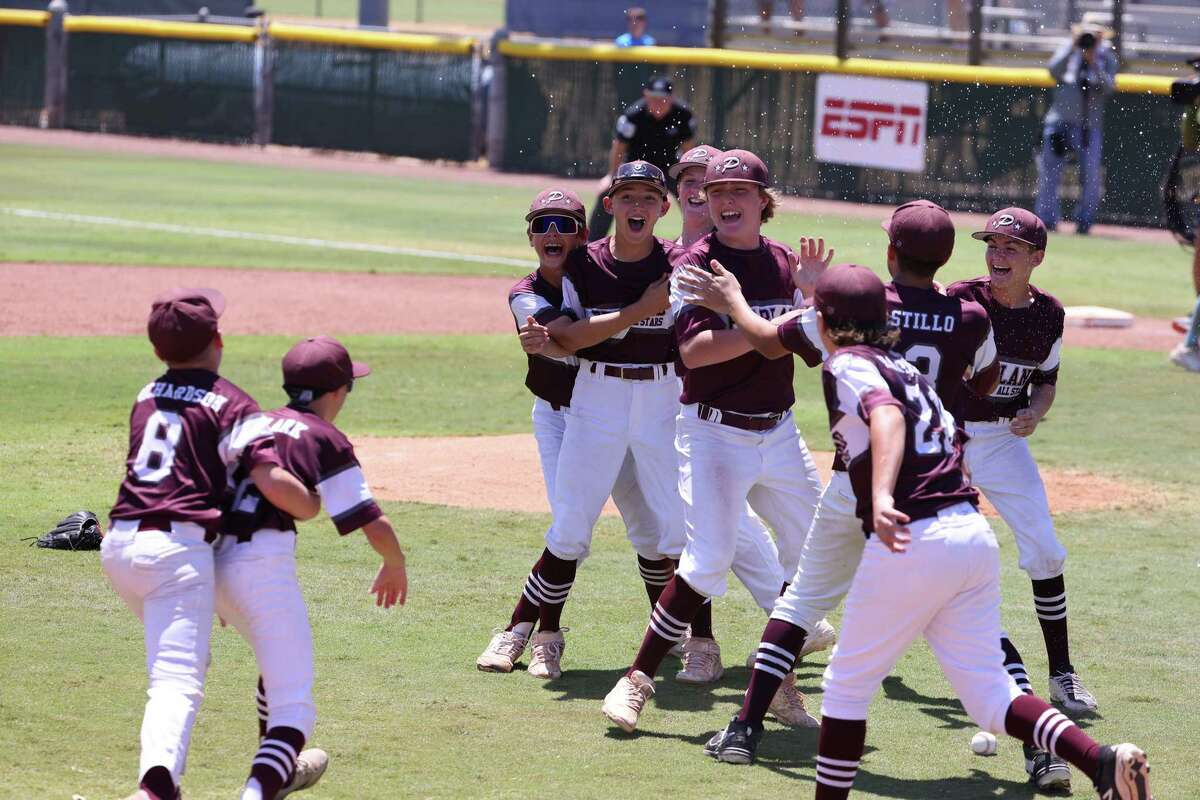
x,y
80,531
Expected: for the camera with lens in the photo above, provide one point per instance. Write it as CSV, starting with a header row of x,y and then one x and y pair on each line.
x,y
1187,92
1086,40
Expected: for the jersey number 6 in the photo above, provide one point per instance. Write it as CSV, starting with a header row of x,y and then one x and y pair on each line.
x,y
156,456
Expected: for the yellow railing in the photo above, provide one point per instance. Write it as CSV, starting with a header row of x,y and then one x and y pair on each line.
x,y
378,40
32,19
160,29
914,70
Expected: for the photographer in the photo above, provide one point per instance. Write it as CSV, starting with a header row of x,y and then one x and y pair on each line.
x,y
1085,71
1182,208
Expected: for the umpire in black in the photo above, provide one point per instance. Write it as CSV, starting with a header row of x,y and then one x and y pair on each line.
x,y
657,129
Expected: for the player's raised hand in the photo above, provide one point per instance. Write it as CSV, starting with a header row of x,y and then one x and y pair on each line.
x,y
890,524
391,584
534,336
809,263
715,290
1024,423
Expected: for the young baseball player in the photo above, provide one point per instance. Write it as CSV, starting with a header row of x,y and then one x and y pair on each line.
x,y
257,589
556,222
735,436
188,431
688,175
931,565
1029,328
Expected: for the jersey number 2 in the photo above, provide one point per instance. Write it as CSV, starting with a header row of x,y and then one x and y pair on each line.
x,y
156,456
934,428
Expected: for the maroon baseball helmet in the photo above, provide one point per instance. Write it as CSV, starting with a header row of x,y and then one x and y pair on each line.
x,y
921,230
737,165
184,321
557,201
851,294
699,156
321,363
1015,223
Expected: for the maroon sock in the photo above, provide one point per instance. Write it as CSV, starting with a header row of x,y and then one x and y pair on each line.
x,y
529,606
1050,602
774,659
1035,722
656,574
1015,665
839,749
672,614
158,782
260,703
702,622
549,584
276,759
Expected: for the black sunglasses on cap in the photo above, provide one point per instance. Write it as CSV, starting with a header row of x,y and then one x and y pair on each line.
x,y
564,224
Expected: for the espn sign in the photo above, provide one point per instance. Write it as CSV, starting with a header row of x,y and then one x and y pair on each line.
x,y
871,122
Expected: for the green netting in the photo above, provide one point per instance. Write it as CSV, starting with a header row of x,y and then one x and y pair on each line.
x,y
22,74
982,139
161,87
400,103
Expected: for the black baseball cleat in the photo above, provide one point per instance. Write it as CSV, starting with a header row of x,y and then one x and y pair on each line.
x,y
734,745
1123,774
1047,772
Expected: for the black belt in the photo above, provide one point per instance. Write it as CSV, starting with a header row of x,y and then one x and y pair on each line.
x,y
651,372
733,419
164,524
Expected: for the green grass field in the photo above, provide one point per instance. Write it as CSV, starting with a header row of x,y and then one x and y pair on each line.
x,y
401,708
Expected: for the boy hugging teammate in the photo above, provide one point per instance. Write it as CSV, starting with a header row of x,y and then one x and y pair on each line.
x,y
257,589
188,431
931,566
556,229
735,435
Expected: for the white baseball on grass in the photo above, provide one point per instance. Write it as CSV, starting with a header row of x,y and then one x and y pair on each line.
x,y
983,744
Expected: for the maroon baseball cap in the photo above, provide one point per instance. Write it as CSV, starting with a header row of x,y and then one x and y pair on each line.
x,y
550,201
737,165
321,363
849,293
184,321
699,156
1016,223
922,230
638,172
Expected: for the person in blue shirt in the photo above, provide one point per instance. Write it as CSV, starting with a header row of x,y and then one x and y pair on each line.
x,y
1084,70
635,18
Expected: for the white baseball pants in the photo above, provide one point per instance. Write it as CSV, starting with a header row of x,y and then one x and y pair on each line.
x,y
641,525
608,418
828,561
1001,466
722,467
166,579
946,587
258,593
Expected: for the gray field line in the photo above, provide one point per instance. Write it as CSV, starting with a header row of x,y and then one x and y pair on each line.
x,y
299,241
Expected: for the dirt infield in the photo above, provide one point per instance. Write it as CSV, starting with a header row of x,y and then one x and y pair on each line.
x,y
503,472
284,302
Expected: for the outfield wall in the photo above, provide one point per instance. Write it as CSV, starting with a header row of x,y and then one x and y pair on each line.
x,y
980,134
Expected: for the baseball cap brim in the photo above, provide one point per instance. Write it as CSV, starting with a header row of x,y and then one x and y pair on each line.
x,y
359,369
623,182
541,212
733,180
675,170
983,236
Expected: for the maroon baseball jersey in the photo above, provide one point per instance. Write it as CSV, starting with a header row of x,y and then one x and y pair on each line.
x,y
551,379
188,432
750,383
323,459
1028,340
597,283
858,380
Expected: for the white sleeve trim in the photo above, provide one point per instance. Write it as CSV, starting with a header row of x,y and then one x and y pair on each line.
x,y
986,355
246,430
808,323
526,304
1051,362
344,490
571,300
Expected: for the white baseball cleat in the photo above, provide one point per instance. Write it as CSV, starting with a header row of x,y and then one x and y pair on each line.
x,y
701,661
504,650
546,661
788,705
1069,692
623,705
822,637
1186,357
310,766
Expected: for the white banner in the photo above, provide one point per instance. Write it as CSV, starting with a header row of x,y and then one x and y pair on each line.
x,y
871,122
